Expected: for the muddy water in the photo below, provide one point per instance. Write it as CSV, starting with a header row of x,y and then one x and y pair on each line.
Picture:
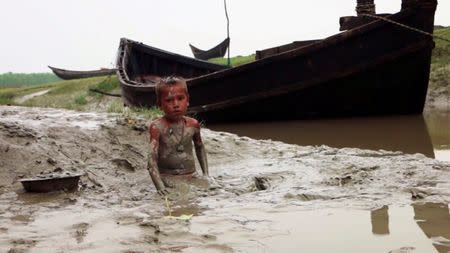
x,y
428,135
438,124
268,196
417,228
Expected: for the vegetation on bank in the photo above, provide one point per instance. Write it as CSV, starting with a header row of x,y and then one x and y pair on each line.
x,y
22,79
440,62
235,61
75,95
441,53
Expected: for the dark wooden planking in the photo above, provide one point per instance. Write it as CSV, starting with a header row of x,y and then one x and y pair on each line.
x,y
139,65
377,68
217,51
260,54
76,74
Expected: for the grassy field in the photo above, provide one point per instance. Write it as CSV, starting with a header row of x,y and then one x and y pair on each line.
x,y
440,62
235,61
74,95
22,79
441,53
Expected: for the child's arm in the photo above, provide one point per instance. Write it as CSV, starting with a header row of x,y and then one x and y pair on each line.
x,y
152,163
200,150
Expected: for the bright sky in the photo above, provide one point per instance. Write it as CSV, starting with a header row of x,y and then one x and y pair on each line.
x,y
84,34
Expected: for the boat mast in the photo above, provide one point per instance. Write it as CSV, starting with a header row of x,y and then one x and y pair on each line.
x,y
228,30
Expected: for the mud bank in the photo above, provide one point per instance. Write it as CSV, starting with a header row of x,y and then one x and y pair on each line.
x,y
116,208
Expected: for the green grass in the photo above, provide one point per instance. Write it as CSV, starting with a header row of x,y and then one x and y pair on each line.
x,y
235,61
6,98
72,94
81,100
107,85
23,79
76,95
441,53
148,113
440,62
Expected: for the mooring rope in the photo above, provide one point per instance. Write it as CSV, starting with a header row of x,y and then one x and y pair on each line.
x,y
407,27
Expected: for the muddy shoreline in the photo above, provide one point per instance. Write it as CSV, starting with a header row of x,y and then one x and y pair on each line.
x,y
116,208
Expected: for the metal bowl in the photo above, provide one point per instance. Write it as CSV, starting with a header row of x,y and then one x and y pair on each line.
x,y
51,182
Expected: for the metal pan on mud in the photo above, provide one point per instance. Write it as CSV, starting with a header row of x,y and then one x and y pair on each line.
x,y
51,182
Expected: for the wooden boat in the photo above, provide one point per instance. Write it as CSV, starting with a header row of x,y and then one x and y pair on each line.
x,y
217,51
374,68
377,68
139,66
260,54
75,74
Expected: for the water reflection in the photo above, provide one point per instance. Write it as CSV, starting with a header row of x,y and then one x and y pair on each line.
x,y
438,124
434,220
396,229
380,221
404,133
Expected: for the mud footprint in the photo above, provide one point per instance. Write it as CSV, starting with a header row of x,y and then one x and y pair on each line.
x,y
80,231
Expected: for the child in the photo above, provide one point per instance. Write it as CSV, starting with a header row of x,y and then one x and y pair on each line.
x,y
172,135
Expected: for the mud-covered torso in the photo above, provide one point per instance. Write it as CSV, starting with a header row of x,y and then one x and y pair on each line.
x,y
175,152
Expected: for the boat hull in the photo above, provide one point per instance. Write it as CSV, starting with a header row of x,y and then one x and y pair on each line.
x,y
75,74
367,93
375,69
139,66
378,68
217,51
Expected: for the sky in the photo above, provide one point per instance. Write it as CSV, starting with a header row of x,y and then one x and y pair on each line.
x,y
85,34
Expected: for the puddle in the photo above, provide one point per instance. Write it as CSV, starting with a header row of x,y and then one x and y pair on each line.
x,y
427,134
420,228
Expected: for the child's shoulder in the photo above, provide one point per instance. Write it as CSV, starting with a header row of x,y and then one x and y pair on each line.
x,y
158,123
191,122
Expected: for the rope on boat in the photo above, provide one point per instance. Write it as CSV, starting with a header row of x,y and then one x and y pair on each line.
x,y
407,27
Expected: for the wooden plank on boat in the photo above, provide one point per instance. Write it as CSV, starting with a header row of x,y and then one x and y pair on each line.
x,y
77,74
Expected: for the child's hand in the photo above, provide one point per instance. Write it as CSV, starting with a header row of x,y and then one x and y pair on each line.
x,y
163,192
212,183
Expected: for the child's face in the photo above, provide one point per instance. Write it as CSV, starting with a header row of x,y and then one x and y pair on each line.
x,y
174,101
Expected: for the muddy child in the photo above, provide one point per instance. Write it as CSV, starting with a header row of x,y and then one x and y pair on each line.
x,y
173,136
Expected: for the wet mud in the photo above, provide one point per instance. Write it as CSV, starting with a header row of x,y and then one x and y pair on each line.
x,y
268,196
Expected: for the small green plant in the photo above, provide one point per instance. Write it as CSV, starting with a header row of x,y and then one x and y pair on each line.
x,y
147,113
132,112
109,84
6,98
115,107
80,100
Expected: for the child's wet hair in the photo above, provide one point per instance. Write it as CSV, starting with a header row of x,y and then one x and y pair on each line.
x,y
167,82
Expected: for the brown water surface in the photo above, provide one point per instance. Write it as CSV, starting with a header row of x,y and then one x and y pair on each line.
x,y
418,228
428,135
